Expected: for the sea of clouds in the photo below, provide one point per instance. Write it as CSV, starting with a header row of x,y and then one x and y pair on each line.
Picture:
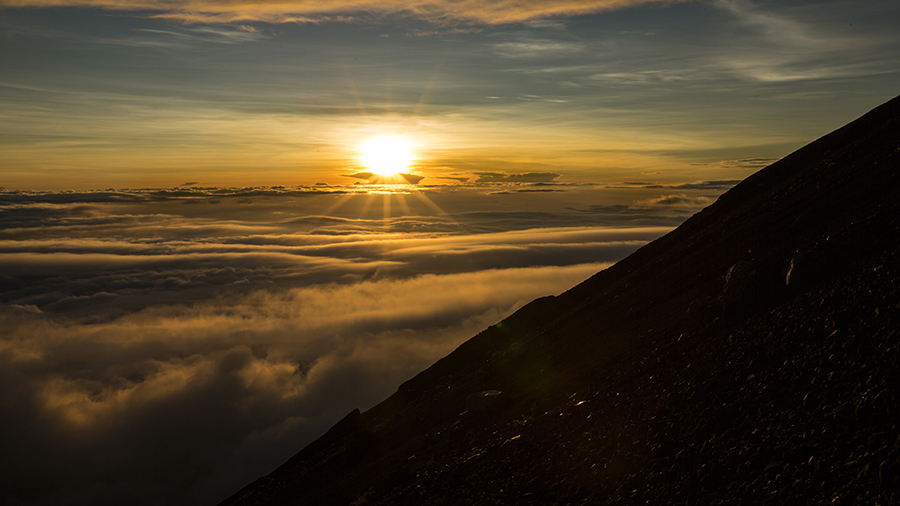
x,y
169,346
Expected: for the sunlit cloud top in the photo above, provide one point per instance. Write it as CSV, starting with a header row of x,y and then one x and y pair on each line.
x,y
442,11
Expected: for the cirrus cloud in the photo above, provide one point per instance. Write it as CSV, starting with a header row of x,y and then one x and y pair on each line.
x,y
307,11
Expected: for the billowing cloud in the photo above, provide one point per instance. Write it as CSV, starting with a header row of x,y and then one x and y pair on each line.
x,y
158,353
281,11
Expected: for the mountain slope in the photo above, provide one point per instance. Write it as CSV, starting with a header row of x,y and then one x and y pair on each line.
x,y
746,357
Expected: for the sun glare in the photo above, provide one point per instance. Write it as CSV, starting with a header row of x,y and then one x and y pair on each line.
x,y
386,156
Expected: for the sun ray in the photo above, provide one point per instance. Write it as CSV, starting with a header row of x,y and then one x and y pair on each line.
x,y
337,205
428,87
434,207
404,207
366,206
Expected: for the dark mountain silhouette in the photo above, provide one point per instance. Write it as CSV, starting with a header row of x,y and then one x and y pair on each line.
x,y
748,357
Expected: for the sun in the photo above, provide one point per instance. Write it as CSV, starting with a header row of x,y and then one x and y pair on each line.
x,y
387,155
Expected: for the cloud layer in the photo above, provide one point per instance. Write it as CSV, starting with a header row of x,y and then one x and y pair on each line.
x,y
441,11
168,346
147,407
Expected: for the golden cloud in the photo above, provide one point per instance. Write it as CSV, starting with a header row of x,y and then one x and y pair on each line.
x,y
306,11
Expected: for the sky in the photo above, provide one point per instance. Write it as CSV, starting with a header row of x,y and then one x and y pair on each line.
x,y
109,93
224,225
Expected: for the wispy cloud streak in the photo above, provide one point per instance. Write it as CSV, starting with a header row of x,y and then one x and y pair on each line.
x,y
791,49
307,11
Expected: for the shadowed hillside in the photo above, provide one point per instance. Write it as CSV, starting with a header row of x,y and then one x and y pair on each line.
x,y
748,357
